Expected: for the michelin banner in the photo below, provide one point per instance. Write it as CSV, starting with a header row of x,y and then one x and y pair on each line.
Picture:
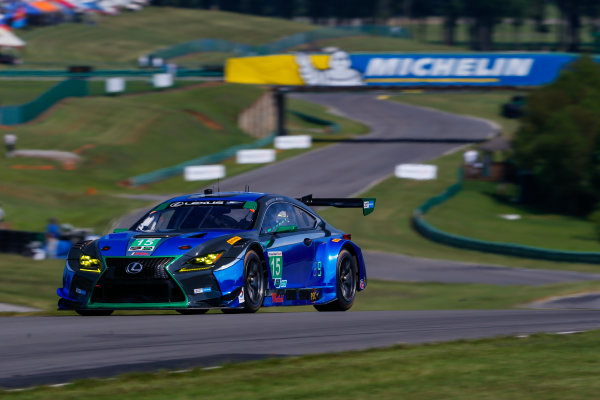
x,y
343,69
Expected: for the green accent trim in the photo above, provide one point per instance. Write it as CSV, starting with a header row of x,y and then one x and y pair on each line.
x,y
119,230
252,205
287,228
116,306
161,207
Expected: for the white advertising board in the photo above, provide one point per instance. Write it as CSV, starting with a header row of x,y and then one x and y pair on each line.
x,y
203,172
115,85
162,80
255,156
293,142
416,171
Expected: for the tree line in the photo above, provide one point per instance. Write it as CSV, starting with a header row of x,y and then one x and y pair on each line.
x,y
482,16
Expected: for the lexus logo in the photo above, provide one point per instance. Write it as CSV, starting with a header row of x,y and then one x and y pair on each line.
x,y
134,268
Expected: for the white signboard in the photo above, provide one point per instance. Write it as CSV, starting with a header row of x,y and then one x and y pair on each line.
x,y
255,156
293,142
162,80
115,85
416,171
203,172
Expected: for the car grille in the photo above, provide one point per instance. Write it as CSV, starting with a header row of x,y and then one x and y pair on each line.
x,y
152,284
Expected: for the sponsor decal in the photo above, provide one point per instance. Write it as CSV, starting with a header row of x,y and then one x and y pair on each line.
x,y
315,295
197,203
80,291
276,264
202,290
283,284
277,298
369,204
140,253
241,298
234,240
144,244
336,240
362,284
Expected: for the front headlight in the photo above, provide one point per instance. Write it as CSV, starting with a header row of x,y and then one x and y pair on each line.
x,y
89,264
201,263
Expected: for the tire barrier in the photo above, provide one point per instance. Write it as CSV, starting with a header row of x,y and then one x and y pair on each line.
x,y
510,249
164,173
19,114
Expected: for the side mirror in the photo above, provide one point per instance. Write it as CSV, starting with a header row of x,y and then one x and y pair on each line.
x,y
287,228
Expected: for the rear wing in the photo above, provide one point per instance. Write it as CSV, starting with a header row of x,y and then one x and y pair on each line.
x,y
367,204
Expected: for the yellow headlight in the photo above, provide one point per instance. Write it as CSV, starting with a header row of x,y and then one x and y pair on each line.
x,y
201,263
89,264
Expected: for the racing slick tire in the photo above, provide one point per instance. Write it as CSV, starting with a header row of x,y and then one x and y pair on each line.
x,y
192,311
345,283
254,282
94,313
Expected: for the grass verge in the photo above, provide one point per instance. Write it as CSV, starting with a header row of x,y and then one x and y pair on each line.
x,y
34,283
542,366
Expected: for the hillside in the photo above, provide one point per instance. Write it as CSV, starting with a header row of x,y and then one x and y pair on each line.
x,y
117,41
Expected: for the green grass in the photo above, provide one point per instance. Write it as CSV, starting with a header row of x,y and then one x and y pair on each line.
x,y
544,367
120,39
19,92
480,206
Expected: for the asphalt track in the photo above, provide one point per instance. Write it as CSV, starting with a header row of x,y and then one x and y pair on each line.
x,y
36,350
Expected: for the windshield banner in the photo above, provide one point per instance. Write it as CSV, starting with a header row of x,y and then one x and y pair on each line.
x,y
343,69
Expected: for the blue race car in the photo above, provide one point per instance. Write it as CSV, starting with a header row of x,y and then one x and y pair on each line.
x,y
234,251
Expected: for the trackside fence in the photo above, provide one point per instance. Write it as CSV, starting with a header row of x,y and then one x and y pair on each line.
x,y
19,114
158,175
510,249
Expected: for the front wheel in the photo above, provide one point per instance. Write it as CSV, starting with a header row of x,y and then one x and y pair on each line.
x,y
94,313
345,282
254,282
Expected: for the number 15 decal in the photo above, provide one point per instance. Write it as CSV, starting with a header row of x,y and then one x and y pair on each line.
x,y
275,263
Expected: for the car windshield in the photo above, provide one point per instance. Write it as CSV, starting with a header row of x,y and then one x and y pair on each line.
x,y
181,217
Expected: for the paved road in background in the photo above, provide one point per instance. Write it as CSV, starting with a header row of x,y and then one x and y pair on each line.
x,y
398,267
38,350
346,169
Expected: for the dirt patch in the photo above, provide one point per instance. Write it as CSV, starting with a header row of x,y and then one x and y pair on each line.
x,y
209,123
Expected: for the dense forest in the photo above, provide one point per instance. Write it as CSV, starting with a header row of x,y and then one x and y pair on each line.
x,y
570,16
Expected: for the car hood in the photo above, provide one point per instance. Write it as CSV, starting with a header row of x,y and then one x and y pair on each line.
x,y
138,244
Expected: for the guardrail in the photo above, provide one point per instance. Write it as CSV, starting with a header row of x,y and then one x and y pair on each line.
x,y
333,126
509,249
19,114
164,173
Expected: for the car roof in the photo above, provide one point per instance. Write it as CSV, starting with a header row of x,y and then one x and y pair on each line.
x,y
239,196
